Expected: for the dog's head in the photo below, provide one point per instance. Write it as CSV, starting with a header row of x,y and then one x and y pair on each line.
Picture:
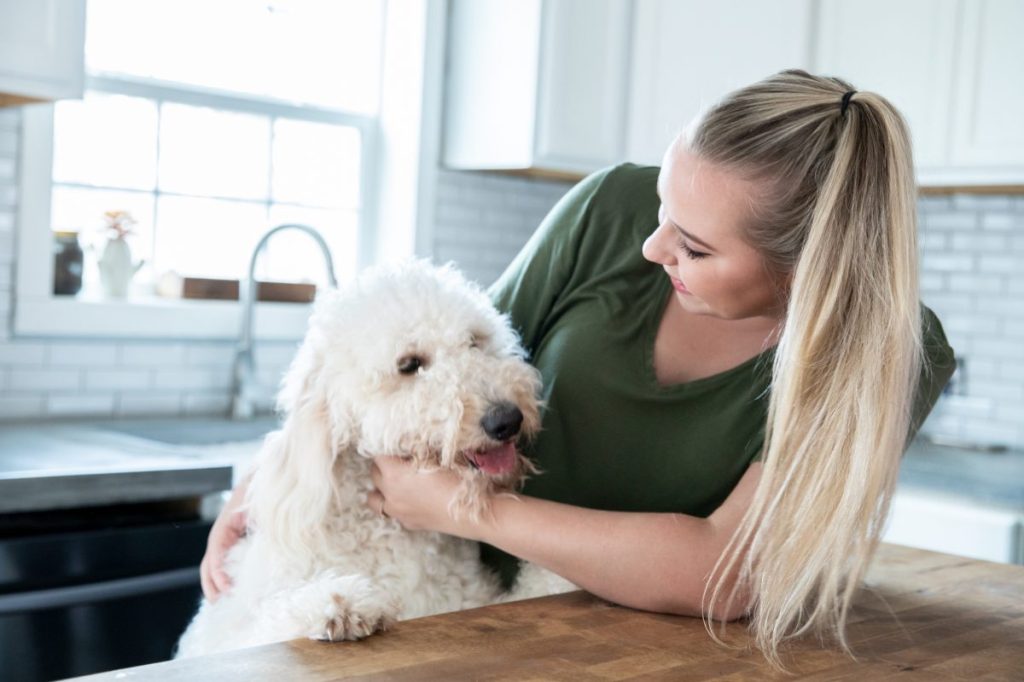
x,y
418,363
409,360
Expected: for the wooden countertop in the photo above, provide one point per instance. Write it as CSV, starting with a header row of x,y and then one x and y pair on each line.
x,y
959,619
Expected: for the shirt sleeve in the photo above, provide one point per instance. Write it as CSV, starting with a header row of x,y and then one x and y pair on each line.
x,y
532,284
936,369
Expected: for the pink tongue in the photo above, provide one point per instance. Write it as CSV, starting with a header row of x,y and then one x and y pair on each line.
x,y
497,460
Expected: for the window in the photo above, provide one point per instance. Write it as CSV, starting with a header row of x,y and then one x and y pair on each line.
x,y
211,123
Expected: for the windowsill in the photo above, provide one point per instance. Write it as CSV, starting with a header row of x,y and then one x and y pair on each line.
x,y
156,318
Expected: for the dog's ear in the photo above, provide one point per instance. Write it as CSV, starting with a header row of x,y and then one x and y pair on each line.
x,y
295,484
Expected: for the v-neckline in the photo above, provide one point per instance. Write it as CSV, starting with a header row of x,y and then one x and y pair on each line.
x,y
650,375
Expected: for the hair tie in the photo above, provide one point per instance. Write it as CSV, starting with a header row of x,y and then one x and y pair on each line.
x,y
846,101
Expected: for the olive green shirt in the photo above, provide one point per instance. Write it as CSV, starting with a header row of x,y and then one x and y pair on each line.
x,y
587,306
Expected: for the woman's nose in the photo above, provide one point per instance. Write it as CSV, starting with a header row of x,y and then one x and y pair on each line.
x,y
657,247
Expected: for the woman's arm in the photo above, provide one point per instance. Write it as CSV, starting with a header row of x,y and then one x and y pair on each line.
x,y
654,562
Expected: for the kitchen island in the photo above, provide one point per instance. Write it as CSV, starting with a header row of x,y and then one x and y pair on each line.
x,y
920,616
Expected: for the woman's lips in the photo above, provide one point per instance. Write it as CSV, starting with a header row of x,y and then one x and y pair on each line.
x,y
679,286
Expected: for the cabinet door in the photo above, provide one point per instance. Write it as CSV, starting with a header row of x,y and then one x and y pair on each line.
x,y
687,54
582,90
945,524
42,48
989,106
907,58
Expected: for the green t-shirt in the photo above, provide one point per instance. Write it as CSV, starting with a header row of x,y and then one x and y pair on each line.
x,y
587,306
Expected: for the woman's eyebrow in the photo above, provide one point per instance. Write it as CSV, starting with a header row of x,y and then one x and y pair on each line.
x,y
657,190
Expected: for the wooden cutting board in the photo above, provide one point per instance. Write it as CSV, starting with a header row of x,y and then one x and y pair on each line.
x,y
955,619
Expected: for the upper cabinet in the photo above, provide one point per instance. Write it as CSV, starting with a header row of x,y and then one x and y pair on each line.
x,y
41,50
536,84
563,85
953,68
687,54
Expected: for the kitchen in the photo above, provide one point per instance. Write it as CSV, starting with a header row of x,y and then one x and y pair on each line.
x,y
457,127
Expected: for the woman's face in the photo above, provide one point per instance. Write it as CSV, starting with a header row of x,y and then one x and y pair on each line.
x,y
698,241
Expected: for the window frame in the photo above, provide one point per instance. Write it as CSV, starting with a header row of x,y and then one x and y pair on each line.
x,y
38,312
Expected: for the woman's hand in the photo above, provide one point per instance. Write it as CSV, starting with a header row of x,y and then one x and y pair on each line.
x,y
417,500
226,531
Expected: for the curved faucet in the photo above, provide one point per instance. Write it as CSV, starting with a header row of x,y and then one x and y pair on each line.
x,y
244,373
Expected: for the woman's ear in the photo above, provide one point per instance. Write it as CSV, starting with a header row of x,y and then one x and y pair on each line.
x,y
294,487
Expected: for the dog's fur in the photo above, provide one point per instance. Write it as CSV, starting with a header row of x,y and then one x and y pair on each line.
x,y
316,561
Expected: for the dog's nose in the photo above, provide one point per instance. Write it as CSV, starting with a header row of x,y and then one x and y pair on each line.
x,y
502,421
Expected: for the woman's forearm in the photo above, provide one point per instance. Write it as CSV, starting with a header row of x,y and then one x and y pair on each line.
x,y
654,562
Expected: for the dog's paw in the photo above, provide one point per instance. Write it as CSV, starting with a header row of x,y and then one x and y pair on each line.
x,y
343,622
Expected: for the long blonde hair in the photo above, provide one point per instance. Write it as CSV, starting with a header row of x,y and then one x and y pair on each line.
x,y
838,214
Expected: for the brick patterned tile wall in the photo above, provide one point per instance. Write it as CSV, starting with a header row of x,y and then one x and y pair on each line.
x,y
972,276
41,378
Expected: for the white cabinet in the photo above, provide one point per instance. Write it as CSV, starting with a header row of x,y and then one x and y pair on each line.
x,y
853,44
41,50
952,67
536,84
988,110
687,54
955,525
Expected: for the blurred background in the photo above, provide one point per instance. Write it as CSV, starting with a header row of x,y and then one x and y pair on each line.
x,y
147,145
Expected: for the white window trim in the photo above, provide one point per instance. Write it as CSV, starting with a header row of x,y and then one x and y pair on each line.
x,y
399,162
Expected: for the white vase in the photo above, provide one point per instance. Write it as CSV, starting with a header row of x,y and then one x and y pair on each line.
x,y
116,268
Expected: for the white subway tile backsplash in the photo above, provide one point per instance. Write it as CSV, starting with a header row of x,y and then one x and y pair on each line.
x,y
998,264
62,353
996,243
153,354
946,262
23,353
207,403
998,221
130,403
950,220
981,202
221,354
984,284
118,378
193,379
19,405
60,404
45,379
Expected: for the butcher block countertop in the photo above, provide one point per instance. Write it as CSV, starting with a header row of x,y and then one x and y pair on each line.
x,y
959,619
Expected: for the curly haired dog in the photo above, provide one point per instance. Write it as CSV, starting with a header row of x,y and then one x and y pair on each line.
x,y
410,360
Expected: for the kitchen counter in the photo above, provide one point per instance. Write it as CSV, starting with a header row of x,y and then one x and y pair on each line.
x,y
988,478
958,619
71,464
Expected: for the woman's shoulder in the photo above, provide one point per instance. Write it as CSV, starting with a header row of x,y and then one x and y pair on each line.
x,y
626,185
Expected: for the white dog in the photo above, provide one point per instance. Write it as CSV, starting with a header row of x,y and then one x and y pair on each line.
x,y
408,360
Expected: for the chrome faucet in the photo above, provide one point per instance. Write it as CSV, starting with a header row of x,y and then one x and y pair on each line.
x,y
244,374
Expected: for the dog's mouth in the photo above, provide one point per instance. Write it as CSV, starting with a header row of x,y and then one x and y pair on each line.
x,y
494,461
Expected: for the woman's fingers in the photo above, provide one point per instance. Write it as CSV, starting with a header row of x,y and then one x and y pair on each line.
x,y
206,580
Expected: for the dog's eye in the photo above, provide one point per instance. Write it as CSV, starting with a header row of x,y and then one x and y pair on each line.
x,y
410,364
478,340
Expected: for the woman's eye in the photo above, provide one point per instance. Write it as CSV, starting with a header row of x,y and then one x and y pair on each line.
x,y
690,253
410,364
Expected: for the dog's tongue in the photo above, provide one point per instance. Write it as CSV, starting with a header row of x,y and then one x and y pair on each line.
x,y
497,460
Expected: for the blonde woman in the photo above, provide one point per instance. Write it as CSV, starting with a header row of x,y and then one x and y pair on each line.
x,y
734,358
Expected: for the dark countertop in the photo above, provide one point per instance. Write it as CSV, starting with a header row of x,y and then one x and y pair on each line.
x,y
58,465
988,478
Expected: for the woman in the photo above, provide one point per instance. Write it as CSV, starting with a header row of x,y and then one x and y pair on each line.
x,y
727,397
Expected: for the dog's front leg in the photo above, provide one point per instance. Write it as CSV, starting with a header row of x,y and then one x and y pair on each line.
x,y
331,608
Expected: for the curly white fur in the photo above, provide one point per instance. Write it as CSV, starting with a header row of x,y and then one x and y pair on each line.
x,y
316,561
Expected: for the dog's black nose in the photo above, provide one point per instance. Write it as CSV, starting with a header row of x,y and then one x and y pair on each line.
x,y
502,421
